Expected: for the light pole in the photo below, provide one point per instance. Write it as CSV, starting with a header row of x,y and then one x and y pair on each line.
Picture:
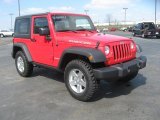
x,y
19,8
155,11
86,11
125,9
108,17
11,14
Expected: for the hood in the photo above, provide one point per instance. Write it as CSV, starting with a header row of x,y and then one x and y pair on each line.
x,y
89,38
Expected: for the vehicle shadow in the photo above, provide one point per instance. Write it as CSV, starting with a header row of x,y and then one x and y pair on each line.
x,y
48,73
106,90
116,89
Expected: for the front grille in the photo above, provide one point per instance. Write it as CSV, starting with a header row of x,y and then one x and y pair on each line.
x,y
121,51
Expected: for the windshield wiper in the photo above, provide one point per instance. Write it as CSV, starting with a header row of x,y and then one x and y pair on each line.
x,y
85,30
67,31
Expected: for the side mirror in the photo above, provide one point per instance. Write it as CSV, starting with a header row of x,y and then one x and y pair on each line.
x,y
44,31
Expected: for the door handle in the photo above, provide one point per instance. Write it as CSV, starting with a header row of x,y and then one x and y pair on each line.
x,y
33,40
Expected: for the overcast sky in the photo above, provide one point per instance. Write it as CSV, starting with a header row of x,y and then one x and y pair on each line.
x,y
138,10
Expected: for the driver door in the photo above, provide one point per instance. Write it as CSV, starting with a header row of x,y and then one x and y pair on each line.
x,y
41,48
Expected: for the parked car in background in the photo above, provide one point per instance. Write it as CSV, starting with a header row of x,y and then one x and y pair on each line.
x,y
105,30
113,29
146,29
6,33
98,30
124,29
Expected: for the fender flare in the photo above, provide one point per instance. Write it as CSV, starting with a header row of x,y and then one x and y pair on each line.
x,y
24,49
96,55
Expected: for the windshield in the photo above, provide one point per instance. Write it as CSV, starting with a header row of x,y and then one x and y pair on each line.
x,y
72,23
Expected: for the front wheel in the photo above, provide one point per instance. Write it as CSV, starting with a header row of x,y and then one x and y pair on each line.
x,y
80,80
24,68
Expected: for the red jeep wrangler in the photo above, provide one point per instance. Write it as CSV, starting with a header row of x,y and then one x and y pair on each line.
x,y
70,43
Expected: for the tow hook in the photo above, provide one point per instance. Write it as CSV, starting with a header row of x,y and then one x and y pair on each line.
x,y
139,65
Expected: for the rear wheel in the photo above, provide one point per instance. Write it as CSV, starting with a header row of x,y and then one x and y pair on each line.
x,y
24,68
129,77
80,80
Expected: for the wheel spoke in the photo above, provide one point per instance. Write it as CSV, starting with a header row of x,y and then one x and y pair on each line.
x,y
73,83
83,83
79,88
80,75
75,74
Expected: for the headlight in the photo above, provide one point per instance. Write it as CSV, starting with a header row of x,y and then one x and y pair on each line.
x,y
132,45
107,50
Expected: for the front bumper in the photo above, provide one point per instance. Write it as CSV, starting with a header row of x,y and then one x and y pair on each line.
x,y
120,70
152,33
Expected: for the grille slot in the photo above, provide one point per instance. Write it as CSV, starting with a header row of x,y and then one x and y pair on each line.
x,y
121,51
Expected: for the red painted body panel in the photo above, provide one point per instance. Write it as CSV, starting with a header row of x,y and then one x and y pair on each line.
x,y
50,52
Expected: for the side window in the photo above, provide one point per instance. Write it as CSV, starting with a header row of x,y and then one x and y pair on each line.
x,y
40,23
22,26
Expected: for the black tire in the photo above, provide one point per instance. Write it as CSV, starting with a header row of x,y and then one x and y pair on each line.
x,y
28,67
92,84
129,77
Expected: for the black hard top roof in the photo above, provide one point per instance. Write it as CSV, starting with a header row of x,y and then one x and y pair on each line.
x,y
29,16
147,22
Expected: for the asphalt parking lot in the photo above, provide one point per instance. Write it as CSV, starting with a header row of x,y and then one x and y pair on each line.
x,y
44,96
